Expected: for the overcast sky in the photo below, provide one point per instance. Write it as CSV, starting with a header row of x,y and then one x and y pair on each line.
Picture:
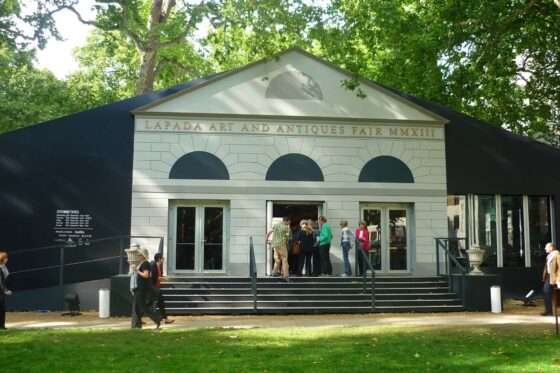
x,y
57,56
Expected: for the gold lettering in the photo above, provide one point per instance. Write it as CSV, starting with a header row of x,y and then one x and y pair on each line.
x,y
404,132
393,132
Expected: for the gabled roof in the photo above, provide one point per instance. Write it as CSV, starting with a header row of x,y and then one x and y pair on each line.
x,y
270,86
481,158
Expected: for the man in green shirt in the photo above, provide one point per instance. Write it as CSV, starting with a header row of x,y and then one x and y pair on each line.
x,y
325,237
280,236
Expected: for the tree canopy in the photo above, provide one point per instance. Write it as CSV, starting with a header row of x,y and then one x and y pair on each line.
x,y
498,61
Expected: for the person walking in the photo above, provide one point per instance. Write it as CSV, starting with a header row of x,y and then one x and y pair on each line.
x,y
551,276
156,275
306,240
363,244
142,294
325,238
280,236
4,273
346,239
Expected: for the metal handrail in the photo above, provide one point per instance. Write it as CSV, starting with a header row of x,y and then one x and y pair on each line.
x,y
443,243
123,242
253,272
366,260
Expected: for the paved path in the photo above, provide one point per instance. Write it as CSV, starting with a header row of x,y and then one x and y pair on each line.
x,y
89,320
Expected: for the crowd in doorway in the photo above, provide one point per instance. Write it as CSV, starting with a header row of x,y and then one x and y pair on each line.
x,y
303,249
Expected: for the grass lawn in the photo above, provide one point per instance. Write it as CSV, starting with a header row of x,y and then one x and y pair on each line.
x,y
320,349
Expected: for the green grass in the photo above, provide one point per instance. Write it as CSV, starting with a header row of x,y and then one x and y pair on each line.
x,y
326,349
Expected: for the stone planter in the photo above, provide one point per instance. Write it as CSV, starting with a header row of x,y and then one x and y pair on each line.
x,y
476,258
133,257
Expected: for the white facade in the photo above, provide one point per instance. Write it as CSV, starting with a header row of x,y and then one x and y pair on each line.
x,y
234,119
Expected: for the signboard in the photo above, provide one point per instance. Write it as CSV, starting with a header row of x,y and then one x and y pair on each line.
x,y
73,227
378,130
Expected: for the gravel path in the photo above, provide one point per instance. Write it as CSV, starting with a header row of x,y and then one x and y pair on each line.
x,y
513,314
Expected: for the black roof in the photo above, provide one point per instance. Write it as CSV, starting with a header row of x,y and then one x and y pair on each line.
x,y
481,158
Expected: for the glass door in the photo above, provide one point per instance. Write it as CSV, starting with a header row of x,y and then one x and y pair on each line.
x,y
185,239
199,238
389,238
372,218
213,242
398,239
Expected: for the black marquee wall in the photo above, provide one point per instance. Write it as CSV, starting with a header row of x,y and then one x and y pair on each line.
x,y
84,162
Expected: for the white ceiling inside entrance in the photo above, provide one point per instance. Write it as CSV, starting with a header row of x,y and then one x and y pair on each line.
x,y
294,84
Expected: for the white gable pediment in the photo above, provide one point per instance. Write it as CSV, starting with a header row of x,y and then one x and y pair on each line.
x,y
291,84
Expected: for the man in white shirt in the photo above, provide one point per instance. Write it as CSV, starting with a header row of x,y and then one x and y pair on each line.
x,y
551,276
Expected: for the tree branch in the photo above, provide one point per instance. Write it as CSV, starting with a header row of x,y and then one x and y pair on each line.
x,y
188,28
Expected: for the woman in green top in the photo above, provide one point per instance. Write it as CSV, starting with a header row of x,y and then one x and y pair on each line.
x,y
325,238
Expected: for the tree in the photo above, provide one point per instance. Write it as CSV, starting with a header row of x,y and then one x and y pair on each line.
x,y
154,27
498,61
241,32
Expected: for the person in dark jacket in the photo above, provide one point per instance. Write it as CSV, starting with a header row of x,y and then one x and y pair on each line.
x,y
156,275
142,303
306,239
316,254
4,273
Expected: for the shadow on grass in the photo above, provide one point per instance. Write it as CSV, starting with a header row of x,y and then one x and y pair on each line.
x,y
341,349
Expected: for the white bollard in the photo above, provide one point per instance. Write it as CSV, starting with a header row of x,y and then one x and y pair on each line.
x,y
104,303
496,299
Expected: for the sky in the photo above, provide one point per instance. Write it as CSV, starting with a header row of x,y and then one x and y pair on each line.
x,y
57,56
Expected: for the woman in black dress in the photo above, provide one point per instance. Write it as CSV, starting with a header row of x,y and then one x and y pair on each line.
x,y
306,239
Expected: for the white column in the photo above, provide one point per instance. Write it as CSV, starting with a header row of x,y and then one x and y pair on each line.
x,y
268,253
499,243
526,231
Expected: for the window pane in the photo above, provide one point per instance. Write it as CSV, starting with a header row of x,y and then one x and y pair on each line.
x,y
213,238
457,223
512,231
486,228
372,218
185,245
397,240
539,227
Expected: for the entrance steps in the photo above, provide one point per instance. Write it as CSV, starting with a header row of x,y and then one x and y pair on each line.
x,y
232,295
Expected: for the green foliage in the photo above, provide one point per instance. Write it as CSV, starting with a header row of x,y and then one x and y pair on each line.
x,y
498,61
29,95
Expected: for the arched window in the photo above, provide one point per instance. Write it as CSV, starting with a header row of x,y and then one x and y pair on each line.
x,y
199,165
294,85
386,169
294,167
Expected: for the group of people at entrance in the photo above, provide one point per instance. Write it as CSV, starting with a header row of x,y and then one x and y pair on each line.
x,y
306,249
145,288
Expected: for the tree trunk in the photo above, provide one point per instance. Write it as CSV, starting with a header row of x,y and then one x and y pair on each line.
x,y
146,76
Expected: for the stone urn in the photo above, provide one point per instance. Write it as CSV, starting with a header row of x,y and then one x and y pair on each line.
x,y
133,257
476,258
